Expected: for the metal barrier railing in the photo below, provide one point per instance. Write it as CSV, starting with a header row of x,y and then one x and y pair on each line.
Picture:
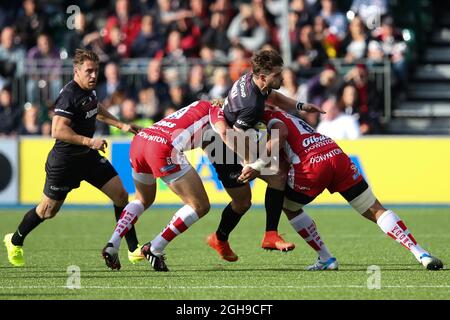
x,y
43,79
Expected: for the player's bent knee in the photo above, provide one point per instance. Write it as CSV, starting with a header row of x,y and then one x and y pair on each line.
x,y
201,208
121,197
147,203
241,207
47,210
363,201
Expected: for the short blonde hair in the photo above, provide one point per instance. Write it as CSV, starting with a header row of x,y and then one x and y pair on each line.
x,y
82,55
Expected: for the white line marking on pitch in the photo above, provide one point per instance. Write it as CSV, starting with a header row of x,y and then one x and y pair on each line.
x,y
231,287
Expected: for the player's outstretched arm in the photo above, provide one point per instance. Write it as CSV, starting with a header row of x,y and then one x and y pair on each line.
x,y
287,104
61,130
106,117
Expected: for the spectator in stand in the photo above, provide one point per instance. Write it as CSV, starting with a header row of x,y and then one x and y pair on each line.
x,y
221,85
116,49
44,69
30,24
266,20
200,14
82,37
320,88
112,84
313,7
174,54
334,18
298,17
309,53
197,89
224,6
178,97
349,100
156,81
370,11
12,56
189,36
356,43
290,87
128,112
336,124
240,63
169,13
10,114
210,62
128,26
299,8
375,53
369,99
330,42
30,123
244,29
148,106
216,35
395,48
149,41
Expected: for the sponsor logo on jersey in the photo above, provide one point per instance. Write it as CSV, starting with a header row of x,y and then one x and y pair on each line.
x,y
91,113
150,137
57,188
243,123
313,139
326,156
242,86
164,123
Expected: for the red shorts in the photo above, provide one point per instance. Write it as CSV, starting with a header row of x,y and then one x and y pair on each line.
x,y
332,170
157,156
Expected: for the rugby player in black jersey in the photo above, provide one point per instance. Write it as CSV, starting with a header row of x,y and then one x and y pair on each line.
x,y
74,156
243,109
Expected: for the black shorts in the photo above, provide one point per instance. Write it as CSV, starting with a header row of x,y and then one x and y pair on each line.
x,y
227,166
65,172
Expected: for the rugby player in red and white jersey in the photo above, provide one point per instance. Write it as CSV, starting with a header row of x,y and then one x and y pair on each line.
x,y
318,163
157,152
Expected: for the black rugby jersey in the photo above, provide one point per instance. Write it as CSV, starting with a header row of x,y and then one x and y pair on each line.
x,y
80,106
244,105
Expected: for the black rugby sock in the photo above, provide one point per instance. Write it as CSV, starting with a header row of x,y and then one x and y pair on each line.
x,y
30,221
228,222
131,237
273,203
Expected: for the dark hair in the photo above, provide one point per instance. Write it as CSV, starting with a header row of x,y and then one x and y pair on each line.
x,y
82,55
264,61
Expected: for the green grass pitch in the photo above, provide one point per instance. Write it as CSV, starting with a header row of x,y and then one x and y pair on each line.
x,y
76,237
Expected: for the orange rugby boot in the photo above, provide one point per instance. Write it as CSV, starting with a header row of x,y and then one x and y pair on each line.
x,y
222,248
273,241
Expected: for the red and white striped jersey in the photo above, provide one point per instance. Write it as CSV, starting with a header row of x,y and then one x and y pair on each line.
x,y
302,141
184,128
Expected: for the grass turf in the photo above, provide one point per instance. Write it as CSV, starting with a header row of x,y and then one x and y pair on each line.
x,y
76,237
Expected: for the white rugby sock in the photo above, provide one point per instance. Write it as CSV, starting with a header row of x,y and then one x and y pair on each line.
x,y
181,221
394,227
130,214
306,228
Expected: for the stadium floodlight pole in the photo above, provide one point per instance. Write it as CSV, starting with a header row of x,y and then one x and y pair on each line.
x,y
284,27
